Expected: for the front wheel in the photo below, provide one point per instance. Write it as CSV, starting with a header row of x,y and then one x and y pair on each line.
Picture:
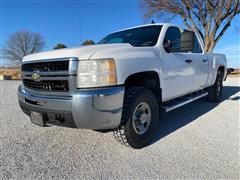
x,y
215,91
141,117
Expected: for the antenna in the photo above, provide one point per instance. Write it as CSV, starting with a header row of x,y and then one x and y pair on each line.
x,y
80,29
153,22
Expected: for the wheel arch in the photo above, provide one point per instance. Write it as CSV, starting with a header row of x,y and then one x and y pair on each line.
x,y
147,79
221,68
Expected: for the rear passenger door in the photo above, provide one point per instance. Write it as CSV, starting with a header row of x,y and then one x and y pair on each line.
x,y
200,63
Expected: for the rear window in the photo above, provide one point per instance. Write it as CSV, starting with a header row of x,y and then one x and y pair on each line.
x,y
137,37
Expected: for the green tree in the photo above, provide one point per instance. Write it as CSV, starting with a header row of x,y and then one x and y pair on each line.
x,y
60,46
88,42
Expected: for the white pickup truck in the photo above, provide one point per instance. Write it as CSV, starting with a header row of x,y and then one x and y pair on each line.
x,y
123,83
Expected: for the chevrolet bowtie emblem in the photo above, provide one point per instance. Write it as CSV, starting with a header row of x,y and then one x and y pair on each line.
x,y
36,76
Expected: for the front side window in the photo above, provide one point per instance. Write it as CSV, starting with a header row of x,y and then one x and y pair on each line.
x,y
137,37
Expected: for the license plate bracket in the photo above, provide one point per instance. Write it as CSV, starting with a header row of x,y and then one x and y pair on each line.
x,y
38,119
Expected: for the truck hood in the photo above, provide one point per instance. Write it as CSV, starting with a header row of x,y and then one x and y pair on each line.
x,y
83,52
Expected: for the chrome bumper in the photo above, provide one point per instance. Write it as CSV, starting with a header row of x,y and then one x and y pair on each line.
x,y
90,109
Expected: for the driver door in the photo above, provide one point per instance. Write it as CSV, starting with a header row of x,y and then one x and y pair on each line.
x,y
178,68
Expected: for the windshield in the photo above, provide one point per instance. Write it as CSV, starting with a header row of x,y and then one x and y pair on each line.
x,y
142,36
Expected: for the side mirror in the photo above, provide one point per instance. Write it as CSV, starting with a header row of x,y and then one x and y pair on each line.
x,y
187,41
167,45
172,46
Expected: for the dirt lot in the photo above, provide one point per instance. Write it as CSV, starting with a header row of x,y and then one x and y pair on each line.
x,y
12,73
199,140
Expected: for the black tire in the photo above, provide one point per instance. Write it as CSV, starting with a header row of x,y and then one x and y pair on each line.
x,y
102,130
128,133
215,91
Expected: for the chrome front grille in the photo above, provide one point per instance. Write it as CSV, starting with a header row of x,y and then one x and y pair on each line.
x,y
50,77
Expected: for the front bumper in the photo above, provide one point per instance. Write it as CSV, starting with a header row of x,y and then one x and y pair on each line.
x,y
90,109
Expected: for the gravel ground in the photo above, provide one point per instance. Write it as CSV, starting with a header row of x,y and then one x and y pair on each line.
x,y
199,140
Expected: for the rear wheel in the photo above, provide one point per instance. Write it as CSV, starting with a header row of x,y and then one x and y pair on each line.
x,y
215,91
140,117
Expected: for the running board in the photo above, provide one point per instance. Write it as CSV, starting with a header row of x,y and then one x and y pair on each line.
x,y
185,100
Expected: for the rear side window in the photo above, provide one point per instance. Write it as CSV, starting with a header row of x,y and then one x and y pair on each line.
x,y
174,35
196,47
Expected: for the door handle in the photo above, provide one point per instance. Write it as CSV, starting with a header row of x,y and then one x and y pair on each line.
x,y
188,60
205,60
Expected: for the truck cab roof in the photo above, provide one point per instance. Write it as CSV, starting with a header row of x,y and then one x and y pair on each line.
x,y
153,24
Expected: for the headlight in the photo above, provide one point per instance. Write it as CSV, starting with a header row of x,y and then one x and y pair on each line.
x,y
96,73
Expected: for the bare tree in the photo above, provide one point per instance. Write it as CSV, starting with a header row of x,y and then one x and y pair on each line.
x,y
209,17
88,42
60,46
22,43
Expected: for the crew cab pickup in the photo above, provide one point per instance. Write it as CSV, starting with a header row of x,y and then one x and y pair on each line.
x,y
123,83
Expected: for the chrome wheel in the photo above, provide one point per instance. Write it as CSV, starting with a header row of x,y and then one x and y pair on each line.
x,y
141,118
